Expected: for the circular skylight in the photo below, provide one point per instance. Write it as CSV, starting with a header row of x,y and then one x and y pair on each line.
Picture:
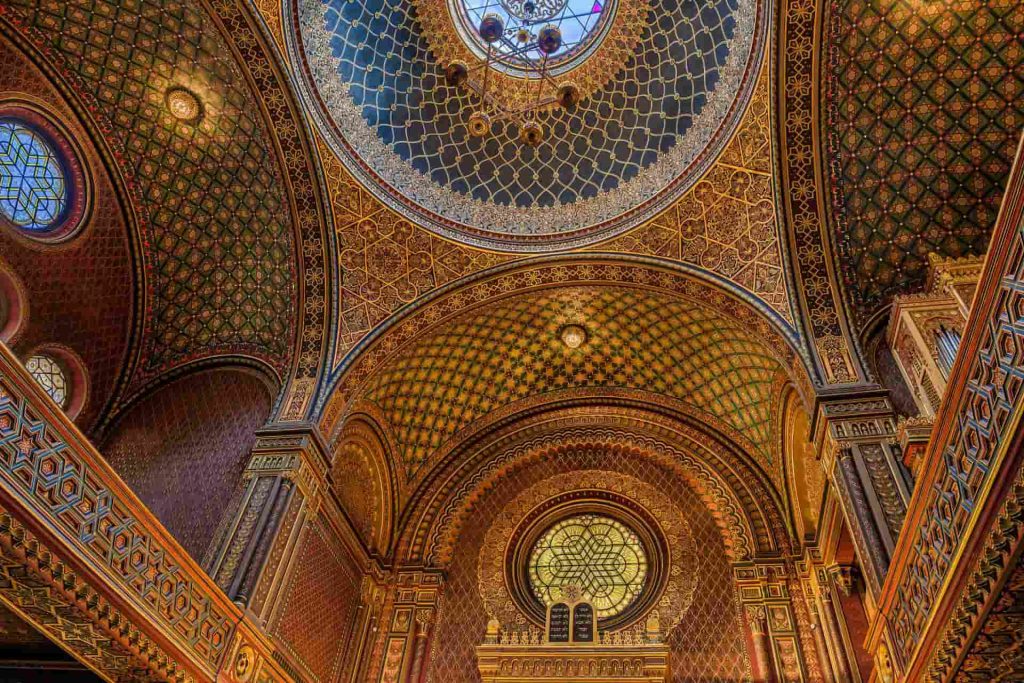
x,y
581,22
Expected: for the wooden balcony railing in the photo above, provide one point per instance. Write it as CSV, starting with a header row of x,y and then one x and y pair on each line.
x,y
947,557
86,562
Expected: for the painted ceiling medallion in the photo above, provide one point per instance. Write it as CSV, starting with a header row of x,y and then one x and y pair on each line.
x,y
574,336
184,105
662,86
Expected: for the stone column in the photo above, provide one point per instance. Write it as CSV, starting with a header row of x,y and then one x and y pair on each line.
x,y
282,488
855,438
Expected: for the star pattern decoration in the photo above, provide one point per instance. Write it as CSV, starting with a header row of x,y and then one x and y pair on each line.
x,y
598,557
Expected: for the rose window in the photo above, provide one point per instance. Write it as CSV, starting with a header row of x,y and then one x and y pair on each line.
x,y
33,188
598,557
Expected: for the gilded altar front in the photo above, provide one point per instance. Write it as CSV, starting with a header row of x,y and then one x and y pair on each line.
x,y
645,663
635,655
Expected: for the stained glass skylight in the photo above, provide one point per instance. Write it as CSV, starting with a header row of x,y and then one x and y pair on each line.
x,y
33,189
580,21
598,556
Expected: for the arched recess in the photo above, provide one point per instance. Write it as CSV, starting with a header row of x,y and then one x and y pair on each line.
x,y
742,498
362,480
704,627
805,479
182,447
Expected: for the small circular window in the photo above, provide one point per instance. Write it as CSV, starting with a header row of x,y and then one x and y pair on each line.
x,y
597,556
33,185
41,181
50,376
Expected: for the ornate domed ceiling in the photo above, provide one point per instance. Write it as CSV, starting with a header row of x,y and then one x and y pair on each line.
x,y
662,85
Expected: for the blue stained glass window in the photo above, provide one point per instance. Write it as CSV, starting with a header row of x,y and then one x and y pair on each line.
x,y
33,187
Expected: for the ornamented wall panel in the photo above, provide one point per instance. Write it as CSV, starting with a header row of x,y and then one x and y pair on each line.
x,y
707,644
318,612
183,448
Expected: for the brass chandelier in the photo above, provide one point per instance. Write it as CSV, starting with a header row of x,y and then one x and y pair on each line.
x,y
547,41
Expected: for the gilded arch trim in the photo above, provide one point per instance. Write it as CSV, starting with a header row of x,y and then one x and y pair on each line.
x,y
745,503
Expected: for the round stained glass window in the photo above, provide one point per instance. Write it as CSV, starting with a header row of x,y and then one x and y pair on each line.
x,y
597,556
50,376
582,23
33,186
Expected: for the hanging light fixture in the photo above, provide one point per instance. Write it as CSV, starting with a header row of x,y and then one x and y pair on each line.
x,y
547,42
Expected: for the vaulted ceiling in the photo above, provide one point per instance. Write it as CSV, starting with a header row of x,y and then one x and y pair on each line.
x,y
220,214
923,111
510,354
314,201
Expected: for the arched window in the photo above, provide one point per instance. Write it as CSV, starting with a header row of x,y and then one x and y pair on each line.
x,y
33,184
50,376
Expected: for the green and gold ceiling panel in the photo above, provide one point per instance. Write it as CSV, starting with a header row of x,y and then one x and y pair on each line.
x,y
512,350
219,235
925,104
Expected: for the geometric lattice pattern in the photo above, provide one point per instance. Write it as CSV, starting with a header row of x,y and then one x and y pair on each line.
x,y
384,64
925,99
219,233
74,499
511,351
599,556
48,373
983,418
33,191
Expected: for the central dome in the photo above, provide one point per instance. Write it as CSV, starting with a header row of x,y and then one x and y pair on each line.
x,y
663,85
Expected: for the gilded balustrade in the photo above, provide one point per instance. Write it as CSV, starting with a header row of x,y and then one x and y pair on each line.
x,y
962,534
84,561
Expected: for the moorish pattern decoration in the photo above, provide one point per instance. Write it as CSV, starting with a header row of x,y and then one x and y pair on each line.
x,y
630,148
599,556
33,187
923,116
511,351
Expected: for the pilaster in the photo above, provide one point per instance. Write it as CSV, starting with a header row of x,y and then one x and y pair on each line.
x,y
283,486
855,438
401,652
766,600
